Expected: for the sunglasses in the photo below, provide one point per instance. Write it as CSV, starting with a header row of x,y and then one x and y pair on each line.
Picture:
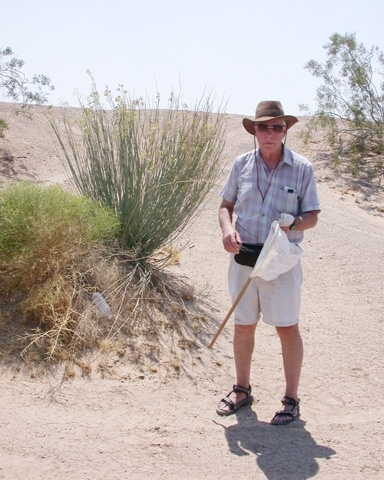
x,y
263,127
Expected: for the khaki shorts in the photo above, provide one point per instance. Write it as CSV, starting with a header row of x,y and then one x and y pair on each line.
x,y
278,301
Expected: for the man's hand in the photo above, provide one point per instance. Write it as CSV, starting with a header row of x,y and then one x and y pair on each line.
x,y
232,242
231,239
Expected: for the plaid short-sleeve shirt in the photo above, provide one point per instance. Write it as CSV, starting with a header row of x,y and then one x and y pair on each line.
x,y
290,188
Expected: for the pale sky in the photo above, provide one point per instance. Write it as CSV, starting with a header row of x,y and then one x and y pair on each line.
x,y
244,51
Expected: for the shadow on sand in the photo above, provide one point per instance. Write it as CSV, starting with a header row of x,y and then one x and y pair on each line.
x,y
283,453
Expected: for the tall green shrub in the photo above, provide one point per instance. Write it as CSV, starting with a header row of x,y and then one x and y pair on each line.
x,y
153,166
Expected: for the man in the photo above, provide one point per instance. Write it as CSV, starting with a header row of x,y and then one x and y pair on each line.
x,y
262,184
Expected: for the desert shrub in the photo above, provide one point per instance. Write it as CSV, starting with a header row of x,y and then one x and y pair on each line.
x,y
350,104
56,250
45,234
152,166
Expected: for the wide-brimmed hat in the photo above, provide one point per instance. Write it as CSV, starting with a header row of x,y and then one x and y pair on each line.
x,y
268,110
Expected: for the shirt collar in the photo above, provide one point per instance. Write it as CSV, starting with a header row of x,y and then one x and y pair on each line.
x,y
287,156
286,159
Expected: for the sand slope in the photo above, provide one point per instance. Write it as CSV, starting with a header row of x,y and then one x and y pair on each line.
x,y
137,424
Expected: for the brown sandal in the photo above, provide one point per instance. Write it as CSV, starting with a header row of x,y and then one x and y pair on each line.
x,y
234,407
291,415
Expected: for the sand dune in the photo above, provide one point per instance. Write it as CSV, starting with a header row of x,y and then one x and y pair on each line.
x,y
140,424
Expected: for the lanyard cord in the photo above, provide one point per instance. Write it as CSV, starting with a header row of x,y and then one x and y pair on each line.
x,y
263,195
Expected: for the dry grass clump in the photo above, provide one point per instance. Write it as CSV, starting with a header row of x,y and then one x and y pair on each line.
x,y
156,315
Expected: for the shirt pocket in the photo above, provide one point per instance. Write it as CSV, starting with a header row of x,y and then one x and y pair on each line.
x,y
287,200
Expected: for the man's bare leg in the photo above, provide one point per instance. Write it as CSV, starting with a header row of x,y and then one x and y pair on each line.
x,y
292,351
243,345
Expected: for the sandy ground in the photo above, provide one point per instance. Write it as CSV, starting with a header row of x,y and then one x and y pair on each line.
x,y
137,423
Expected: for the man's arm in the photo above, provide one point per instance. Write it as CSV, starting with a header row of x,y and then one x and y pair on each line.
x,y
231,238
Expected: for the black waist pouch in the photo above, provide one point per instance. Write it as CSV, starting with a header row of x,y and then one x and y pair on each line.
x,y
248,254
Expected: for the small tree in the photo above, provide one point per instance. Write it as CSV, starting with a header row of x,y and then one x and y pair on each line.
x,y
16,85
351,104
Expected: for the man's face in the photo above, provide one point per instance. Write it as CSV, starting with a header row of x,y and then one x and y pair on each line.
x,y
270,134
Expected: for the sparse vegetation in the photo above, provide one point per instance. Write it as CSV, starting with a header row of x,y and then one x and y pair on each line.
x,y
142,173
3,127
351,105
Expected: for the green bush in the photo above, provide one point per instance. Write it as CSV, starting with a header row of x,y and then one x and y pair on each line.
x,y
152,166
44,228
48,237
